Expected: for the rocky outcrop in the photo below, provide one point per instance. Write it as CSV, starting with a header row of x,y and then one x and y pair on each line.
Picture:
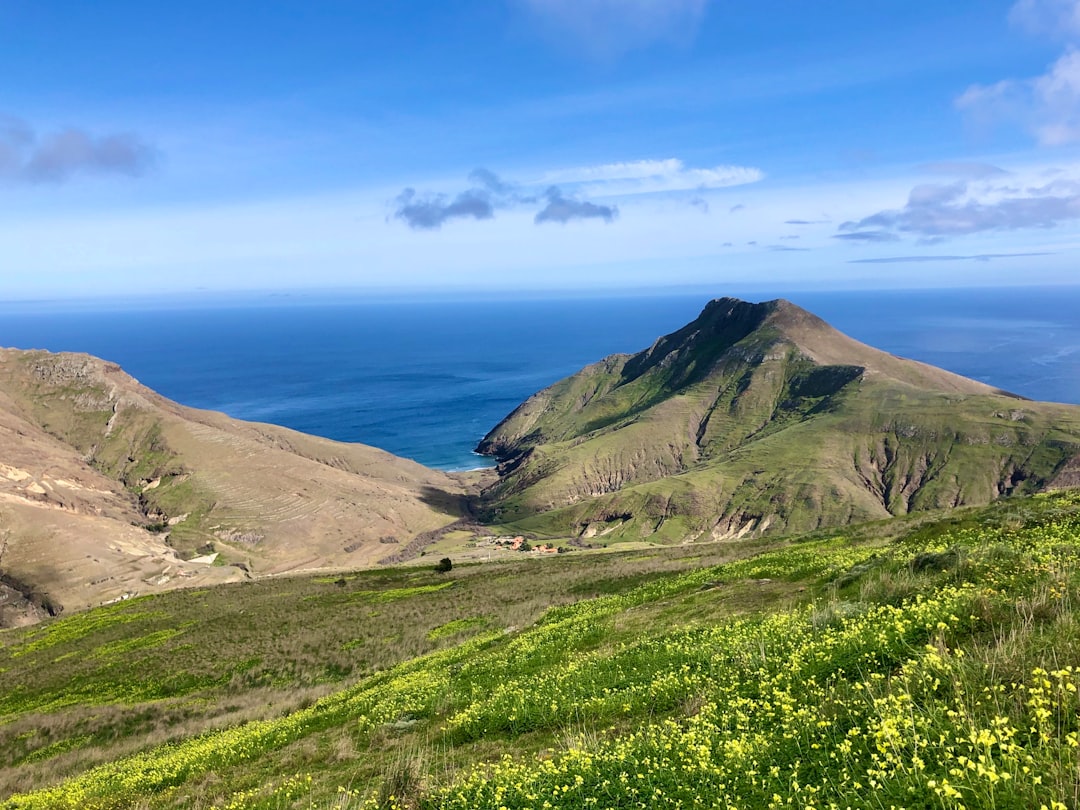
x,y
1068,474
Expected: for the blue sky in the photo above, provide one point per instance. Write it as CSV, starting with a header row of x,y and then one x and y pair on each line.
x,y
154,148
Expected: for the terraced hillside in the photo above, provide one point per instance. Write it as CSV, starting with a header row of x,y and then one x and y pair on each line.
x,y
762,418
108,490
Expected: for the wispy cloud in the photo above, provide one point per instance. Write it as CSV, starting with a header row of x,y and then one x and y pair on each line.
x,y
867,236
491,181
606,29
965,169
562,209
1048,105
26,156
955,209
806,222
1047,17
975,257
625,170
651,176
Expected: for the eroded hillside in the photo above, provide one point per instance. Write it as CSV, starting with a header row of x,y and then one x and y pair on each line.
x,y
108,489
759,417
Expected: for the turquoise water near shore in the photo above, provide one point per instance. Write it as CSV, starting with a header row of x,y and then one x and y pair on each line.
x,y
426,379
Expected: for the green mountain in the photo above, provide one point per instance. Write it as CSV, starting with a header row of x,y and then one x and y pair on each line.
x,y
762,418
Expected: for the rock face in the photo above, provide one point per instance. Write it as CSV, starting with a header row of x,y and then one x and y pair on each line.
x,y
762,417
108,489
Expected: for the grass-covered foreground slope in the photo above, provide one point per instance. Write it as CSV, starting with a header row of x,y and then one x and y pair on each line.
x,y
919,663
761,417
107,489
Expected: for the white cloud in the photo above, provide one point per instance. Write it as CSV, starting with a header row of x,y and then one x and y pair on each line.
x,y
1057,98
342,239
1055,17
966,169
1048,106
651,176
608,28
939,211
631,170
563,193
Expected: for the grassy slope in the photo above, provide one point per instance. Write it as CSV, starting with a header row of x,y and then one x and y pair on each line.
x,y
734,424
920,662
882,452
163,667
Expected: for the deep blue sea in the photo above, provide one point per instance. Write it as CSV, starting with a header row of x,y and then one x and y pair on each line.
x,y
427,379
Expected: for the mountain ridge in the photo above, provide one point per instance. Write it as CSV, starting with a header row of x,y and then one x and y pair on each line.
x,y
108,489
751,419
707,408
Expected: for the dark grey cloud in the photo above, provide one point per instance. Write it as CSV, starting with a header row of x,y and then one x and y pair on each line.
x,y
968,170
487,194
975,257
935,211
429,212
867,236
563,209
53,158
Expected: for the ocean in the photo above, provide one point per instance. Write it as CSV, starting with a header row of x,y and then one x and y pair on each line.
x,y
426,379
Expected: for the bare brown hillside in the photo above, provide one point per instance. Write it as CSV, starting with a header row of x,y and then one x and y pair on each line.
x,y
108,489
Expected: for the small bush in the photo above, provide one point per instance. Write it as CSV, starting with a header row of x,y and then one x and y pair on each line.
x,y
444,565
935,561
